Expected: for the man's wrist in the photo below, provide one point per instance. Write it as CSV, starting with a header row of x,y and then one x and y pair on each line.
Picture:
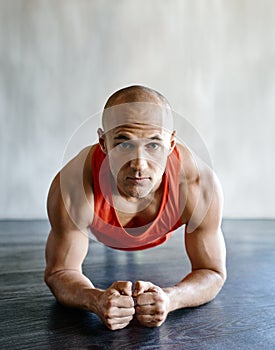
x,y
91,297
172,300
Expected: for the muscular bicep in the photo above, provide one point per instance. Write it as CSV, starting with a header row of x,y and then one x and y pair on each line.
x,y
66,251
206,250
205,244
68,241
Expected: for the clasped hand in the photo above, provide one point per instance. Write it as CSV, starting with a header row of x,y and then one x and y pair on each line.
x,y
117,307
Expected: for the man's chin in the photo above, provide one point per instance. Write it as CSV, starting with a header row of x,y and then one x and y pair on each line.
x,y
138,192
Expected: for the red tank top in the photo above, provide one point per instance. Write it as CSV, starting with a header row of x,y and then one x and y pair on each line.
x,y
106,226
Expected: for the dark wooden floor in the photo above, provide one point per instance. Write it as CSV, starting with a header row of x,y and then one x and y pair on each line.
x,y
241,317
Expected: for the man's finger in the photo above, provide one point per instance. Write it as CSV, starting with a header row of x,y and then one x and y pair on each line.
x,y
147,298
118,312
145,310
147,320
123,301
118,323
124,287
144,286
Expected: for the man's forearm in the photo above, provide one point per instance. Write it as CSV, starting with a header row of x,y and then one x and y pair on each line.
x,y
197,288
114,306
72,288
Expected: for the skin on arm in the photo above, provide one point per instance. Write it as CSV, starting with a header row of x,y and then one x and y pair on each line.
x,y
66,250
206,250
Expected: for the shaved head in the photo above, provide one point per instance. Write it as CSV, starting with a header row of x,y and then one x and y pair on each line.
x,y
136,100
136,93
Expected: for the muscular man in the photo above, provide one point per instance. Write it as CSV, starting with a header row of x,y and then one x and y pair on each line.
x,y
132,190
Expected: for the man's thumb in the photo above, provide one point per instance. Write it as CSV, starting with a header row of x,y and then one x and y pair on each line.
x,y
124,287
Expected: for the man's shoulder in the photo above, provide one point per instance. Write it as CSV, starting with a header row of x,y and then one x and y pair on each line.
x,y
190,172
200,187
71,192
194,168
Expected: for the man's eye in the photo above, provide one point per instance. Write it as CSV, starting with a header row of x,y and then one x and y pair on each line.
x,y
125,146
153,146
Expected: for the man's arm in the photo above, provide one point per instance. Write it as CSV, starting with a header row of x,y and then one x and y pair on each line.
x,y
206,250
208,271
66,249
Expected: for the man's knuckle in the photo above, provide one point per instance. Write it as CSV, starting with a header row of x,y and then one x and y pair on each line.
x,y
109,312
106,315
112,327
159,298
158,318
108,323
110,302
129,318
161,310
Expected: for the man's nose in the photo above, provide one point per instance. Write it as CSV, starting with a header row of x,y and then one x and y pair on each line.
x,y
138,162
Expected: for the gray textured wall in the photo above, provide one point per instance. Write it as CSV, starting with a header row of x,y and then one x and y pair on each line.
x,y
214,60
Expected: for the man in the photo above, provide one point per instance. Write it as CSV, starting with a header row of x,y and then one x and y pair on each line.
x,y
132,190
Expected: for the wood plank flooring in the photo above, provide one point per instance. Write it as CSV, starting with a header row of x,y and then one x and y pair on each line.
x,y
241,317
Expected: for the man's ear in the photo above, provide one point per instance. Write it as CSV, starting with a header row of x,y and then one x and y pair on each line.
x,y
172,141
101,140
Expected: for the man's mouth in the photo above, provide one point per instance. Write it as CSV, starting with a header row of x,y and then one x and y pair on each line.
x,y
138,179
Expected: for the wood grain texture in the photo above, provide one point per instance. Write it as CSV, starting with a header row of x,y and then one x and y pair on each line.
x,y
241,317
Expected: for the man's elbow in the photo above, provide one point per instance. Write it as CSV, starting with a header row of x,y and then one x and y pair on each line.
x,y
221,277
49,278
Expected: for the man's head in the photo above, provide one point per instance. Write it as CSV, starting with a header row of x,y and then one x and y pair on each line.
x,y
138,136
137,98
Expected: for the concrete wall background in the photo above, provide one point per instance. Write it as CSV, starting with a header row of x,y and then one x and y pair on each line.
x,y
214,60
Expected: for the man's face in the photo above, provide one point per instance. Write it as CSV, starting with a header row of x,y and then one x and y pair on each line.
x,y
137,155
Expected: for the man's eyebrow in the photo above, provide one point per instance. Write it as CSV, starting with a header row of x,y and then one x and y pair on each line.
x,y
126,138
121,137
156,137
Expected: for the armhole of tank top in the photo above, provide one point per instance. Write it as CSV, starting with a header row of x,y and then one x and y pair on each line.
x,y
92,155
182,174
94,148
179,158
